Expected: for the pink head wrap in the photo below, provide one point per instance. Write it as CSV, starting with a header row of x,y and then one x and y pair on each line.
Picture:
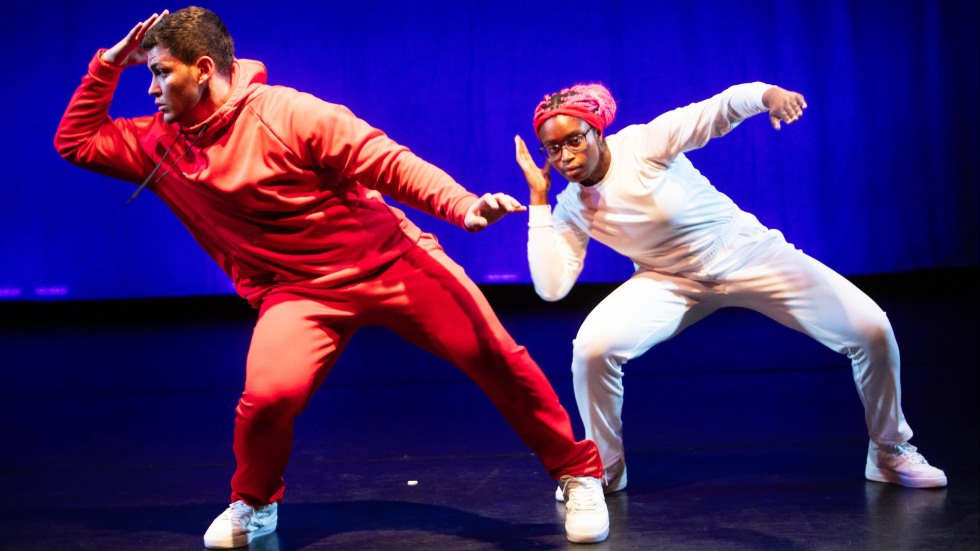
x,y
590,102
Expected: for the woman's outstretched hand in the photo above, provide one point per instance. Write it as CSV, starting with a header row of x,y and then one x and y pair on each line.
x,y
784,105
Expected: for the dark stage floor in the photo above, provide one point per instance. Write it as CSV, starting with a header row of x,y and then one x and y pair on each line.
x,y
741,434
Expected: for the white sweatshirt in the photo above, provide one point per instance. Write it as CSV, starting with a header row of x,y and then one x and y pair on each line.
x,y
653,206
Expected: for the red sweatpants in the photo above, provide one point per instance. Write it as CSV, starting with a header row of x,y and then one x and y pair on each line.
x,y
427,299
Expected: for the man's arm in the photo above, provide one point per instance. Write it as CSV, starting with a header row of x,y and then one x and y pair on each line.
x,y
86,135
331,136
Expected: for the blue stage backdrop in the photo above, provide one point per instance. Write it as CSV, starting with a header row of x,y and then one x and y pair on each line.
x,y
879,176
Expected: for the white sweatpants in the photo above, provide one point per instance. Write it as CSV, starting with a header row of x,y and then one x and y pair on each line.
x,y
759,270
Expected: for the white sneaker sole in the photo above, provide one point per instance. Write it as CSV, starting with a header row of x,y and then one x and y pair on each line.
x,y
588,538
891,477
234,542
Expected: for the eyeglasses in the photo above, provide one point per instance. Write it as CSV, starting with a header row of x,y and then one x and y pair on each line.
x,y
575,143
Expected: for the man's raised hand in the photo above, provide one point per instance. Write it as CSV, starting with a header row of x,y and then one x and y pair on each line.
x,y
127,52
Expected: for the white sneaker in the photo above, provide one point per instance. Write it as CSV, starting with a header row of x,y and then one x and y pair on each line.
x,y
240,524
902,464
586,516
613,480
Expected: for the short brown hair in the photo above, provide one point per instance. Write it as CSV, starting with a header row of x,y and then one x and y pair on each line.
x,y
191,33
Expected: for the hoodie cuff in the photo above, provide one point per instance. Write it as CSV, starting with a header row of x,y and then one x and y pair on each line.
x,y
102,70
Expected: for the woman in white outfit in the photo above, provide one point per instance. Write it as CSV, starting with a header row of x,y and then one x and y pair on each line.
x,y
695,251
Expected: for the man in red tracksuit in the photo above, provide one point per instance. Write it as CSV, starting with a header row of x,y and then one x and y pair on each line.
x,y
284,191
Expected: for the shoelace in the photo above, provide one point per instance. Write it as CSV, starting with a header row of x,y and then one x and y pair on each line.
x,y
908,452
581,497
240,512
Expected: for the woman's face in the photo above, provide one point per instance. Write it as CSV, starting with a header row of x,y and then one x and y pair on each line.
x,y
574,148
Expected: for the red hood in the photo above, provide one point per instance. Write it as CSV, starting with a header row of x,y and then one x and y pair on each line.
x,y
246,76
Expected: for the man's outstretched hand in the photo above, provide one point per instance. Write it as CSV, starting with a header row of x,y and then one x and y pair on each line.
x,y
490,208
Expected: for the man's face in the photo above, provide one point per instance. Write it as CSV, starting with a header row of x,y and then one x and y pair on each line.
x,y
575,166
176,87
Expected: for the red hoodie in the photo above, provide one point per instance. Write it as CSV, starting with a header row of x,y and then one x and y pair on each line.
x,y
280,188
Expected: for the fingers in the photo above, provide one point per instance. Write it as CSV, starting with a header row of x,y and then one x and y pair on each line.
x,y
787,108
142,28
477,224
509,203
120,53
490,201
489,208
521,146
793,107
131,35
146,25
537,178
522,154
798,99
513,205
502,202
495,205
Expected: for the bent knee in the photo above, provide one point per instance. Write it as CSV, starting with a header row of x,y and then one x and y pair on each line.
x,y
874,325
593,354
270,403
873,333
